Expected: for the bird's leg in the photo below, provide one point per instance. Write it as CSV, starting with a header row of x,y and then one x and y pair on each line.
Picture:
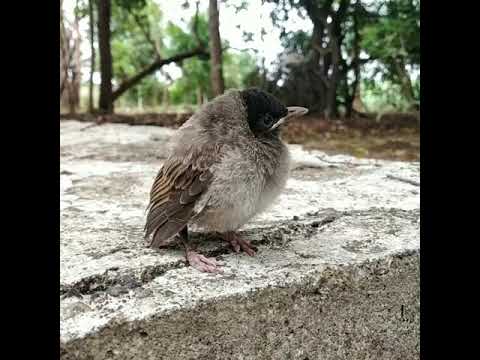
x,y
238,243
197,260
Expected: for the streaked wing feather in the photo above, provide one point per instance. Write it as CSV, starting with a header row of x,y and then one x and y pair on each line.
x,y
172,226
177,186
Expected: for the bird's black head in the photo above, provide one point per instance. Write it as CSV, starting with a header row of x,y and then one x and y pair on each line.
x,y
265,112
263,109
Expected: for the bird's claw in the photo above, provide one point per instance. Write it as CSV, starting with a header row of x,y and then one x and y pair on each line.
x,y
238,243
203,263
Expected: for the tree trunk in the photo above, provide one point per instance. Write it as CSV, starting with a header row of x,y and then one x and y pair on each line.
x,y
327,53
199,96
106,99
331,98
405,82
216,74
62,56
74,93
107,95
92,57
166,98
336,38
65,57
319,85
70,62
354,94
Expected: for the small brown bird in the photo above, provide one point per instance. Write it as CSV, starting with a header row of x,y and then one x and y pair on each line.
x,y
226,165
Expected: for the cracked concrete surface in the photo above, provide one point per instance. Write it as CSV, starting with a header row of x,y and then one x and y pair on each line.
x,y
336,275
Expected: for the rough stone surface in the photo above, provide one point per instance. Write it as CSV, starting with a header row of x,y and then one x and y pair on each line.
x,y
336,275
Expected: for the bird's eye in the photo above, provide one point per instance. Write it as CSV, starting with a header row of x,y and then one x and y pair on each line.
x,y
268,120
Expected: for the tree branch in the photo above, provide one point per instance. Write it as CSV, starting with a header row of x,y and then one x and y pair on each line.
x,y
146,33
159,61
234,48
195,26
156,65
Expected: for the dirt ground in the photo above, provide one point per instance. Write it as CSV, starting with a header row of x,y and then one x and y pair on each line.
x,y
391,137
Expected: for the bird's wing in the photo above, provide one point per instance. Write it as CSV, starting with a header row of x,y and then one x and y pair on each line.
x,y
178,185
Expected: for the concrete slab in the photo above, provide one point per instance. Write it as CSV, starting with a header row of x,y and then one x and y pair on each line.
x,y
336,275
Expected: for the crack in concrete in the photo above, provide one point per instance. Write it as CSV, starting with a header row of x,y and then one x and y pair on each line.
x,y
114,282
276,236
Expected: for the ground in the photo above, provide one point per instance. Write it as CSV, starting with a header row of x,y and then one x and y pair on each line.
x,y
390,137
336,275
363,139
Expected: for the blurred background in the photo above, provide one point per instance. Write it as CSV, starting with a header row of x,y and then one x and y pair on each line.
x,y
355,64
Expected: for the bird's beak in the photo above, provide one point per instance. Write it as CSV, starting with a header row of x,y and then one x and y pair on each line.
x,y
293,112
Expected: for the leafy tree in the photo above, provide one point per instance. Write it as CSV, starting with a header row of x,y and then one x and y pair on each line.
x,y
323,68
394,41
315,78
237,67
125,13
136,40
194,85
347,34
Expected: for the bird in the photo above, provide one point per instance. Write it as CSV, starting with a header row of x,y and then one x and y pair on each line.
x,y
226,164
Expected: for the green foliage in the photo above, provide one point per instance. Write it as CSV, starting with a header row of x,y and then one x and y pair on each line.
x,y
297,42
131,50
133,29
385,96
138,33
136,37
396,34
131,5
195,78
236,68
389,37
394,42
195,72
179,41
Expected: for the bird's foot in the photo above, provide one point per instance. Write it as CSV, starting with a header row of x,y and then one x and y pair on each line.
x,y
238,243
203,263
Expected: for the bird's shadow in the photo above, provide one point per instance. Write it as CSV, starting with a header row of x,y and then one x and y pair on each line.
x,y
211,244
